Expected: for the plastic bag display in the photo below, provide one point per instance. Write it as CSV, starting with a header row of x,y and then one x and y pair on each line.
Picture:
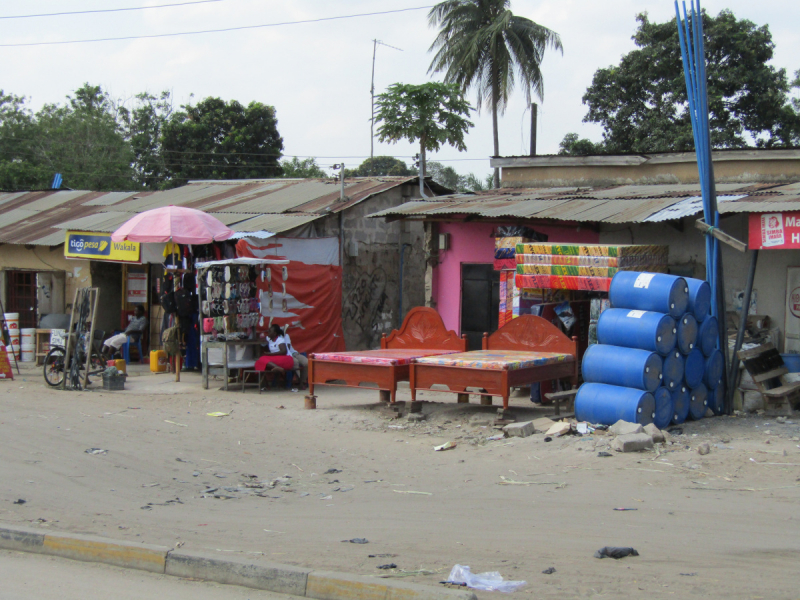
x,y
491,581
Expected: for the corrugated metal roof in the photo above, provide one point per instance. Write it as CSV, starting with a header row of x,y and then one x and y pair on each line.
x,y
618,204
276,223
41,217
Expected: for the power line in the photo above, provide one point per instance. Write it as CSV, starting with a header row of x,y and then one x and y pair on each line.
x,y
106,10
223,30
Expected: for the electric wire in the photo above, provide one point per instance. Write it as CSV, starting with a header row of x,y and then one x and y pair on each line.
x,y
221,30
105,10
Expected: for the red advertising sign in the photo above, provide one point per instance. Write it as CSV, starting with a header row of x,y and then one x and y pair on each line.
x,y
5,364
774,231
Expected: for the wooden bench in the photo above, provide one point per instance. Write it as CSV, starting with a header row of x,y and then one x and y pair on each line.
x,y
766,367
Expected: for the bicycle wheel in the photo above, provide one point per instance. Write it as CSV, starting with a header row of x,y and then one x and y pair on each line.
x,y
53,367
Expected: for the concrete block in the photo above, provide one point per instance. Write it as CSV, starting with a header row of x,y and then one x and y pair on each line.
x,y
283,579
398,590
624,428
111,552
327,585
655,433
542,425
632,442
23,539
480,420
523,429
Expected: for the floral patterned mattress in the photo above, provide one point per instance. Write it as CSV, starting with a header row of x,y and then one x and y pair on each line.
x,y
380,357
497,360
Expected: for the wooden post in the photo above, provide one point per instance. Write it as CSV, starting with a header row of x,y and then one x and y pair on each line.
x,y
68,346
93,295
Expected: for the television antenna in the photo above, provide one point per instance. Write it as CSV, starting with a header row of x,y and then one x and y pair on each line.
x,y
372,93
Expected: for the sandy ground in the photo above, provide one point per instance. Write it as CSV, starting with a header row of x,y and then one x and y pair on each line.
x,y
724,524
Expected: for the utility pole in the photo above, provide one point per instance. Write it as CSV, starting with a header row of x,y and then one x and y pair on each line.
x,y
534,122
375,43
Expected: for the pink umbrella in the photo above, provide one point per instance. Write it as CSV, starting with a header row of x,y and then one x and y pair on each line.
x,y
173,223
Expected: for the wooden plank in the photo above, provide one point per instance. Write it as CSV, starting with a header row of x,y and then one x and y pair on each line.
x,y
560,395
783,390
753,352
721,235
770,374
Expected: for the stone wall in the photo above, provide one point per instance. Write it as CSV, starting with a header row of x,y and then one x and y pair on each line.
x,y
371,267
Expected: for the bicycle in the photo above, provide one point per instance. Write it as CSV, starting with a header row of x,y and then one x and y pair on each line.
x,y
54,369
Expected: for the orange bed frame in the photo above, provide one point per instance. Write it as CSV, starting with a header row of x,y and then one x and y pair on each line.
x,y
422,329
528,334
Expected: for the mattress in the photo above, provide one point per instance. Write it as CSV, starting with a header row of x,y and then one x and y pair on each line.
x,y
380,357
497,360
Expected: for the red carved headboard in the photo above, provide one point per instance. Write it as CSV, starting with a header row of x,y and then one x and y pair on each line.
x,y
423,329
530,334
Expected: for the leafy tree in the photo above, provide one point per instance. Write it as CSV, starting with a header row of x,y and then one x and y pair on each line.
x,y
143,126
302,169
83,141
222,140
473,183
642,103
379,165
432,114
483,45
445,176
17,169
573,145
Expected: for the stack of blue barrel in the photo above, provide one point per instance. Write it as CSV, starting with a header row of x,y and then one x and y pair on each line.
x,y
656,360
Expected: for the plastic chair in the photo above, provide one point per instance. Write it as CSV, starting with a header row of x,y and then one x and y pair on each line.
x,y
126,349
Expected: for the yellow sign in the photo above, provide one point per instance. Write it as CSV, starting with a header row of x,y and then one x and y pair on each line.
x,y
98,246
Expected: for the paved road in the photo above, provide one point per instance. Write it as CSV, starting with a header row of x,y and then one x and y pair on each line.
x,y
28,576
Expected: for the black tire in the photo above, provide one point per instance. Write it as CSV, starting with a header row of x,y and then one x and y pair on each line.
x,y
53,368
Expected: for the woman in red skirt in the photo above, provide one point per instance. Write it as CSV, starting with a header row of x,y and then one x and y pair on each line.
x,y
276,359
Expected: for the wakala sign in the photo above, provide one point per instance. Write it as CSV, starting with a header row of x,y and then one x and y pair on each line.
x,y
774,231
98,246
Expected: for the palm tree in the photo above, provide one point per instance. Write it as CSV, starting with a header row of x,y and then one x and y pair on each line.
x,y
482,44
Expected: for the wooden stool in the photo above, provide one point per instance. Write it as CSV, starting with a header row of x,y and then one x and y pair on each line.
x,y
259,374
567,396
765,365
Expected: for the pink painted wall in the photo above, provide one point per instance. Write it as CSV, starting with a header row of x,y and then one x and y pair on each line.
x,y
473,243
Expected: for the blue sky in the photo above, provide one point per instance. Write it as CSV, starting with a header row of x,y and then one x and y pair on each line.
x,y
318,75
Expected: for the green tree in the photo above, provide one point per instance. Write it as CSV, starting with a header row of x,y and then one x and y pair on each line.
x,y
432,114
642,103
445,176
473,183
483,45
573,145
143,126
302,169
18,170
222,140
83,141
379,165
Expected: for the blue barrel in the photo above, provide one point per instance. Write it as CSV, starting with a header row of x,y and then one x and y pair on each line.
x,y
716,400
699,298
791,362
637,329
687,333
673,370
665,408
649,291
625,367
715,365
606,404
680,405
694,367
698,402
708,335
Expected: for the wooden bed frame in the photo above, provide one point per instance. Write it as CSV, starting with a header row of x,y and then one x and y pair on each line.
x,y
527,333
422,329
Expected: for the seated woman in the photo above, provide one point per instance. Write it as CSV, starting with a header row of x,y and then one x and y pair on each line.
x,y
277,358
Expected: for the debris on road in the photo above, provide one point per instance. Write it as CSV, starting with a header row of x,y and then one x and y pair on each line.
x,y
632,442
559,429
615,552
625,509
490,581
218,414
445,446
703,449
388,566
549,571
95,451
523,429
332,471
20,501
356,541
411,492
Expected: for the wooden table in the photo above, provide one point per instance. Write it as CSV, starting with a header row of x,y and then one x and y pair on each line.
x,y
224,345
42,344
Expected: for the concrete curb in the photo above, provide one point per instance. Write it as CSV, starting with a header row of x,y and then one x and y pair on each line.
x,y
273,577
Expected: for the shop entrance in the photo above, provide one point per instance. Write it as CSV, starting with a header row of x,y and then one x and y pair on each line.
x,y
21,297
480,302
